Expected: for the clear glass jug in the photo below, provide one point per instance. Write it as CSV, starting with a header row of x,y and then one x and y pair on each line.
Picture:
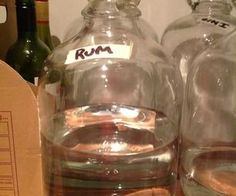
x,y
208,137
109,104
191,34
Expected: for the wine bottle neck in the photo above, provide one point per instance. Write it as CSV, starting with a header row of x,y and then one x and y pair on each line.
x,y
26,20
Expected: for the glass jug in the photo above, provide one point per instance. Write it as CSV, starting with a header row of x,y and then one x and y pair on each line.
x,y
109,102
190,34
208,137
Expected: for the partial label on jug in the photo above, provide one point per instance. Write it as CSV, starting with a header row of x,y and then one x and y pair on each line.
x,y
217,23
99,51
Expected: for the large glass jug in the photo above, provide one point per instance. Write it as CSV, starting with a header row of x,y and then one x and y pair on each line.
x,y
191,34
208,137
109,104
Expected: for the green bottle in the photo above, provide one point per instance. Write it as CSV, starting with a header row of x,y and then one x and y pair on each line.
x,y
28,53
42,18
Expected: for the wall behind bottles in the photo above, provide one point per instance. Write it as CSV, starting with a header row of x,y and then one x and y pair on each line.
x,y
7,29
65,17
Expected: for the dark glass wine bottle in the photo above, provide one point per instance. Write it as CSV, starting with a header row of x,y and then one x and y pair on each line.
x,y
28,53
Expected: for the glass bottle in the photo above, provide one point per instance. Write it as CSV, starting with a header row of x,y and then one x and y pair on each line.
x,y
109,108
188,35
28,53
42,18
208,159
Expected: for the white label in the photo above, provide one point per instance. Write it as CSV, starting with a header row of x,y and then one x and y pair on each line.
x,y
53,88
36,81
217,23
3,14
99,51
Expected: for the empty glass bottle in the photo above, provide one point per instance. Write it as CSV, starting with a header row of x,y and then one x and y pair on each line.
x,y
187,36
208,159
109,108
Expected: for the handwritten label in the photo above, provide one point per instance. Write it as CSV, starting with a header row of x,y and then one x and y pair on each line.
x,y
99,51
216,22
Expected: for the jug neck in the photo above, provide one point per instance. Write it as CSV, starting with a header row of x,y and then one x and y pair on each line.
x,y
111,9
211,6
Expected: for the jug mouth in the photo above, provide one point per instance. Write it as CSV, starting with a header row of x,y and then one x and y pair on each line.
x,y
194,3
134,2
112,8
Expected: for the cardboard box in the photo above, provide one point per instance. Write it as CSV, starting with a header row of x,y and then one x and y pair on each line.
x,y
20,155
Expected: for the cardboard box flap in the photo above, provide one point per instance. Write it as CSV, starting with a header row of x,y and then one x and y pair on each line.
x,y
10,77
20,155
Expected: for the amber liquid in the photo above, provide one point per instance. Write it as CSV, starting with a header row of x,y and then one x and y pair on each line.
x,y
110,158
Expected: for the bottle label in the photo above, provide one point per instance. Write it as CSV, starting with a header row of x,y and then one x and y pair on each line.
x,y
3,14
54,89
36,81
217,23
99,51
42,14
